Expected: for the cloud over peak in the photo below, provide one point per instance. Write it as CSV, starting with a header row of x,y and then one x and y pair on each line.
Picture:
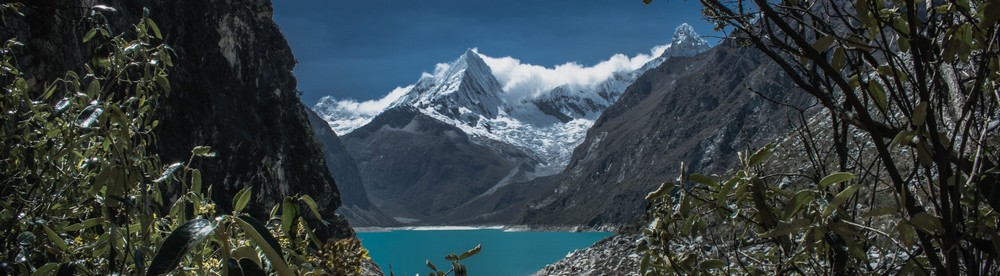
x,y
525,81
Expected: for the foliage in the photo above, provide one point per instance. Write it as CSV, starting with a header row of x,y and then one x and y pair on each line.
x,y
456,266
899,167
82,191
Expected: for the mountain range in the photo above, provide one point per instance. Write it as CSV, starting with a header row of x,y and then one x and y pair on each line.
x,y
458,134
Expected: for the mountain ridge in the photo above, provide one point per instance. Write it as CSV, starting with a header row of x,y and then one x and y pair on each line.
x,y
526,139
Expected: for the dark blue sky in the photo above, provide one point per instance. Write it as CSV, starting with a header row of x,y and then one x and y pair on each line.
x,y
362,49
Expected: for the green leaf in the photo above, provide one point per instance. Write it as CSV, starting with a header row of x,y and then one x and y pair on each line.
x,y
431,265
266,242
862,7
835,178
152,26
990,13
161,79
203,151
471,252
241,200
289,214
177,244
878,95
84,225
46,270
196,181
165,57
797,201
703,179
919,114
760,156
878,212
783,229
647,1
55,238
94,89
841,197
903,42
168,171
308,200
906,232
664,189
903,138
90,34
711,264
451,257
924,154
309,232
823,43
839,59
927,222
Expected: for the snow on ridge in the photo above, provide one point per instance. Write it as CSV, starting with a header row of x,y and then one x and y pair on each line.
x,y
544,111
346,115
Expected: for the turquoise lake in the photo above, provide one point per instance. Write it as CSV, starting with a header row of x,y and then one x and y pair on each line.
x,y
503,253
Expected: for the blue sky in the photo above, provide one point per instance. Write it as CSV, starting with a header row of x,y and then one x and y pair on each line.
x,y
363,49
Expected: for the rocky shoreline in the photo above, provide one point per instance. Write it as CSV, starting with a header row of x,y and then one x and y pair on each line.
x,y
614,255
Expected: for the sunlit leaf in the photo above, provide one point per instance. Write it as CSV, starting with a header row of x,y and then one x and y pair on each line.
x,y
841,197
55,238
177,244
308,200
154,28
835,178
90,34
289,215
168,171
241,200
759,156
84,225
263,239
471,252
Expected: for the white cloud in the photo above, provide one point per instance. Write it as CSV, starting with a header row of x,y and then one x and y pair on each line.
x,y
372,107
523,80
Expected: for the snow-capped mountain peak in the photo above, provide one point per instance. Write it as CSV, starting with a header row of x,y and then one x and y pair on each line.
x,y
467,94
686,42
464,89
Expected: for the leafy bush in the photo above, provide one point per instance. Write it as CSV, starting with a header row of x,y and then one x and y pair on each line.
x,y
898,170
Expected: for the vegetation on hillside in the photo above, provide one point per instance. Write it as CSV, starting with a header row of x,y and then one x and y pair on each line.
x,y
898,166
82,190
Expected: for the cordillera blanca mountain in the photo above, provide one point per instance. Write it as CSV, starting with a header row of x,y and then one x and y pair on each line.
x,y
472,127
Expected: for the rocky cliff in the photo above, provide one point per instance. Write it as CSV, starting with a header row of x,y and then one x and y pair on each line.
x,y
356,206
233,90
699,110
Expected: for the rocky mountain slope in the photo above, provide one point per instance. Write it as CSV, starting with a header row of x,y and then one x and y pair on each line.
x,y
232,89
417,167
699,110
702,134
355,204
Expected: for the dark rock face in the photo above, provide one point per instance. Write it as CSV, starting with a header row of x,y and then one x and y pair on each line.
x,y
233,90
417,168
700,110
356,206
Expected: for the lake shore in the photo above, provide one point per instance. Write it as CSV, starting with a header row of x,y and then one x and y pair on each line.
x,y
505,228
